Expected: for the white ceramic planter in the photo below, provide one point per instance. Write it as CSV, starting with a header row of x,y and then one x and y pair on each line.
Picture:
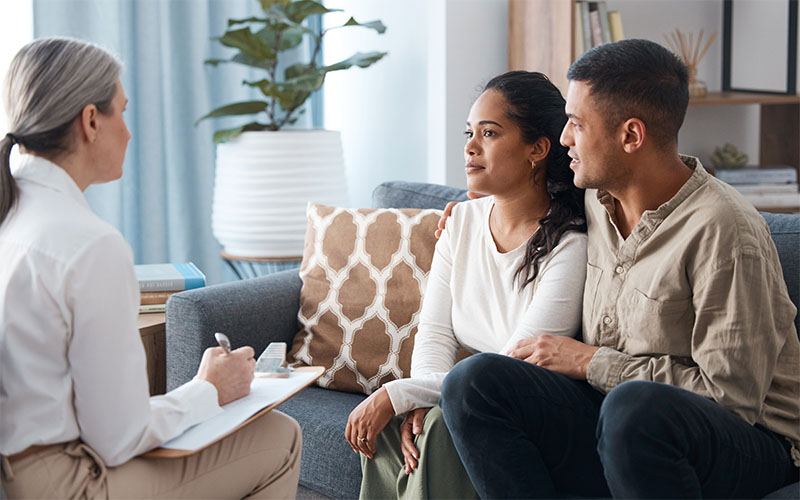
x,y
263,183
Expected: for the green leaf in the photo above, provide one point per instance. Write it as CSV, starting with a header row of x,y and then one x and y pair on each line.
x,y
290,36
249,43
307,83
252,61
285,96
227,134
234,22
243,59
266,4
375,25
298,11
230,133
290,94
277,14
215,62
299,69
239,108
304,77
360,59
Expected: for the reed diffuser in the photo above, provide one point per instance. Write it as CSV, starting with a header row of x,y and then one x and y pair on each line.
x,y
688,49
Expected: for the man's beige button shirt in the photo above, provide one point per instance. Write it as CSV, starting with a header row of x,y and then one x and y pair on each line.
x,y
695,298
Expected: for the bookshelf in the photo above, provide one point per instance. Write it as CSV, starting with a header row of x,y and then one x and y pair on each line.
x,y
540,38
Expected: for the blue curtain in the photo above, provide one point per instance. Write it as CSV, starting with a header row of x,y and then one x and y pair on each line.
x,y
162,204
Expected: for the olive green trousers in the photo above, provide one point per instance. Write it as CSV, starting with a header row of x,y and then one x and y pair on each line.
x,y
439,472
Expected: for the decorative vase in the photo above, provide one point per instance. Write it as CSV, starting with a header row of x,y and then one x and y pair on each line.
x,y
263,182
697,88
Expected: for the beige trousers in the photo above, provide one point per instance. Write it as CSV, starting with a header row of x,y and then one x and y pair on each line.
x,y
260,460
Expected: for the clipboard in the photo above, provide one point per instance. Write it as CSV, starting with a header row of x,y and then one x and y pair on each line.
x,y
181,453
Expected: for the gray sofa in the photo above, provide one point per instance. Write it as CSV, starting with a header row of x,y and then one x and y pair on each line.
x,y
262,310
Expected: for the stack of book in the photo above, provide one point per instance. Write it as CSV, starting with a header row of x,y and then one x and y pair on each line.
x,y
772,187
158,281
595,25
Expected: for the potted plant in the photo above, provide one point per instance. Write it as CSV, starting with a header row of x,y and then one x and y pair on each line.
x,y
265,175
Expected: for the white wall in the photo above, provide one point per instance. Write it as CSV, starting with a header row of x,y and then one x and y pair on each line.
x,y
475,49
403,118
380,110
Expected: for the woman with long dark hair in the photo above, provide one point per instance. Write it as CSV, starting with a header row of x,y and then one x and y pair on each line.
x,y
508,266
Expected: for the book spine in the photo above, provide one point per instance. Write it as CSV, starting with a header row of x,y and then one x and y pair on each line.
x,y
615,25
578,45
167,285
587,26
597,31
767,188
602,9
152,308
758,176
148,298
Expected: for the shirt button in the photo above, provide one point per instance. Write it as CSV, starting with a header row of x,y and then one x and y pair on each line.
x,y
606,320
619,269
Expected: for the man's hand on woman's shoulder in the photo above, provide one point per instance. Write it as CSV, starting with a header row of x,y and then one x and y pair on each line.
x,y
449,210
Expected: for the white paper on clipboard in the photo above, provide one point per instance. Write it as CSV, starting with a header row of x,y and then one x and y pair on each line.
x,y
263,392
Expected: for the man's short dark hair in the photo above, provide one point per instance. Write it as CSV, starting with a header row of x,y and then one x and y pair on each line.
x,y
637,79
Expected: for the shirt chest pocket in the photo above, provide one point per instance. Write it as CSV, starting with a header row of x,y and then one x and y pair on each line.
x,y
655,326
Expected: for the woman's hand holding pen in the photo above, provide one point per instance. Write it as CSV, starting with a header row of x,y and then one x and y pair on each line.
x,y
230,373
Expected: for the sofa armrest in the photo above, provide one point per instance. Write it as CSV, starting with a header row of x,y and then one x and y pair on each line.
x,y
251,312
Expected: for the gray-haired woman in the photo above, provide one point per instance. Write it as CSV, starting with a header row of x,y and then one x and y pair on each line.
x,y
74,398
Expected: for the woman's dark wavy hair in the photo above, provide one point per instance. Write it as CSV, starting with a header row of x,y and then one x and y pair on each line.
x,y
537,107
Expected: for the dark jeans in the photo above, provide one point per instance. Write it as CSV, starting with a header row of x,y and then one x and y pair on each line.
x,y
525,432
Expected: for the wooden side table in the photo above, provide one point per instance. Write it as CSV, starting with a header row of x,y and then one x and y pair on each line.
x,y
153,329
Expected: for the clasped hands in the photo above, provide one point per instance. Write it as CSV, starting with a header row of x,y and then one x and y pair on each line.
x,y
372,415
557,353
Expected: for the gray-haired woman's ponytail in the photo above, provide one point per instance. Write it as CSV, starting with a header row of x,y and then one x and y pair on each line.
x,y
48,84
8,187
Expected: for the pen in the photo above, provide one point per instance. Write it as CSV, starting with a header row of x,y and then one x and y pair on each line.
x,y
223,342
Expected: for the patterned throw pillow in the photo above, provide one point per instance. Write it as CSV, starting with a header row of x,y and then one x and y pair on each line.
x,y
364,272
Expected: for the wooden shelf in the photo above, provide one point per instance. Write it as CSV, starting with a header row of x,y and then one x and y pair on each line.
x,y
779,210
740,98
540,39
153,330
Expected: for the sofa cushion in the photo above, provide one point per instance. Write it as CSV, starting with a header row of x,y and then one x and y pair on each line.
x,y
785,231
328,464
400,194
364,272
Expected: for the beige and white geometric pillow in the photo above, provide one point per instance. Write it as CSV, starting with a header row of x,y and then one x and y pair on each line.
x,y
364,272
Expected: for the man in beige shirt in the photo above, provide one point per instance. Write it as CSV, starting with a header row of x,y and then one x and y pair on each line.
x,y
687,383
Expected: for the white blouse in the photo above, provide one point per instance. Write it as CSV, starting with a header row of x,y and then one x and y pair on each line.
x,y
472,300
72,364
